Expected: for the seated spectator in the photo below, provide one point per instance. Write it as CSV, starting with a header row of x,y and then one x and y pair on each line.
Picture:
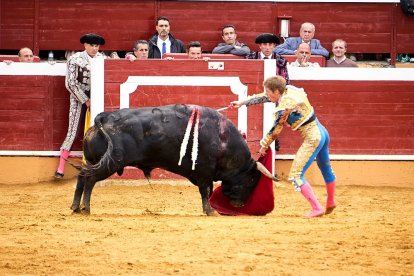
x,y
162,41
307,32
303,54
339,59
140,51
267,43
231,45
195,51
25,55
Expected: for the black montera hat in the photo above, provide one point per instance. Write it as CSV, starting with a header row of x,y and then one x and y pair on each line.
x,y
92,39
267,38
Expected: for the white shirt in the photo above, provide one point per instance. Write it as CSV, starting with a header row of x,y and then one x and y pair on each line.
x,y
167,44
262,56
307,64
339,61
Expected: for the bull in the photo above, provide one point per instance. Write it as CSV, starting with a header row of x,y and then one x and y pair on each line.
x,y
155,137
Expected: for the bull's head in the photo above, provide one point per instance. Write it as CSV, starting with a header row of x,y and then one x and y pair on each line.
x,y
239,188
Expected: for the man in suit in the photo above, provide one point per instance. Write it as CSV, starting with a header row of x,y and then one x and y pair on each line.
x,y
163,41
267,43
307,32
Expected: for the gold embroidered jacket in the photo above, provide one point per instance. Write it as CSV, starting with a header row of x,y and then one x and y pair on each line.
x,y
293,109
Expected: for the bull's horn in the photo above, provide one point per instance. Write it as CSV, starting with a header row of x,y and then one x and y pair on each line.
x,y
265,171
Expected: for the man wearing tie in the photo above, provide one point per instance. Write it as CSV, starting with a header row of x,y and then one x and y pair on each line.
x,y
162,41
267,42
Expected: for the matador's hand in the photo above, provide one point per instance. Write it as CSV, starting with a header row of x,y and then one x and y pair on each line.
x,y
235,104
262,151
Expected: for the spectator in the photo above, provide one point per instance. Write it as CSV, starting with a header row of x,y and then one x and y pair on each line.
x,y
231,45
140,51
195,51
267,43
307,31
25,55
339,59
303,54
78,84
162,41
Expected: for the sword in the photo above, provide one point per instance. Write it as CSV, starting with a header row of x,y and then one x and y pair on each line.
x,y
222,109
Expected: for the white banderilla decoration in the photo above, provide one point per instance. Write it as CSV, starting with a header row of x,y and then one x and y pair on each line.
x,y
184,144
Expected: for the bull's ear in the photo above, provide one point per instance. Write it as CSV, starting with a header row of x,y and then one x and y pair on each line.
x,y
260,167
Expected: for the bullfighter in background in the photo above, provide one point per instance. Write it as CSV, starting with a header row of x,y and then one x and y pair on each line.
x,y
78,84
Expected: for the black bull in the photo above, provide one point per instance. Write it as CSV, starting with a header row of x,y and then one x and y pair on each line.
x,y
148,138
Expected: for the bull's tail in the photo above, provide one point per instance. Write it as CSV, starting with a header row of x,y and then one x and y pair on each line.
x,y
106,162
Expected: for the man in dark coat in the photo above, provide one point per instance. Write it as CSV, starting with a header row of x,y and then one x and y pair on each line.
x,y
162,41
267,42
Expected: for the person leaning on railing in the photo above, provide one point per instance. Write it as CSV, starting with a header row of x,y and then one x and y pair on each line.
x,y
25,55
140,51
231,45
303,54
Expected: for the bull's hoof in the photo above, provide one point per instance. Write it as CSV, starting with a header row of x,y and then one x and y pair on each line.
x,y
236,203
209,211
212,212
85,211
76,211
75,208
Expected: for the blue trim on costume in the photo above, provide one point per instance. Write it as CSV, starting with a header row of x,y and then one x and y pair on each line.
x,y
322,157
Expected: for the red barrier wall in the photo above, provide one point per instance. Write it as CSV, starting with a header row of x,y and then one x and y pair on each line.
x,y
363,117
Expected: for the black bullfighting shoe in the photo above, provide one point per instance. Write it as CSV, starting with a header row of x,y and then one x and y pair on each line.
x,y
58,175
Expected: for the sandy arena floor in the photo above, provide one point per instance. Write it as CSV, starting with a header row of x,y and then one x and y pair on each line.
x,y
140,229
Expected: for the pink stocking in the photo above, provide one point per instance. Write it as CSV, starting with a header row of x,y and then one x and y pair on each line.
x,y
308,193
330,201
63,156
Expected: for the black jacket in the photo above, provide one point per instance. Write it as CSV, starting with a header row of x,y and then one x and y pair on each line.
x,y
177,46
